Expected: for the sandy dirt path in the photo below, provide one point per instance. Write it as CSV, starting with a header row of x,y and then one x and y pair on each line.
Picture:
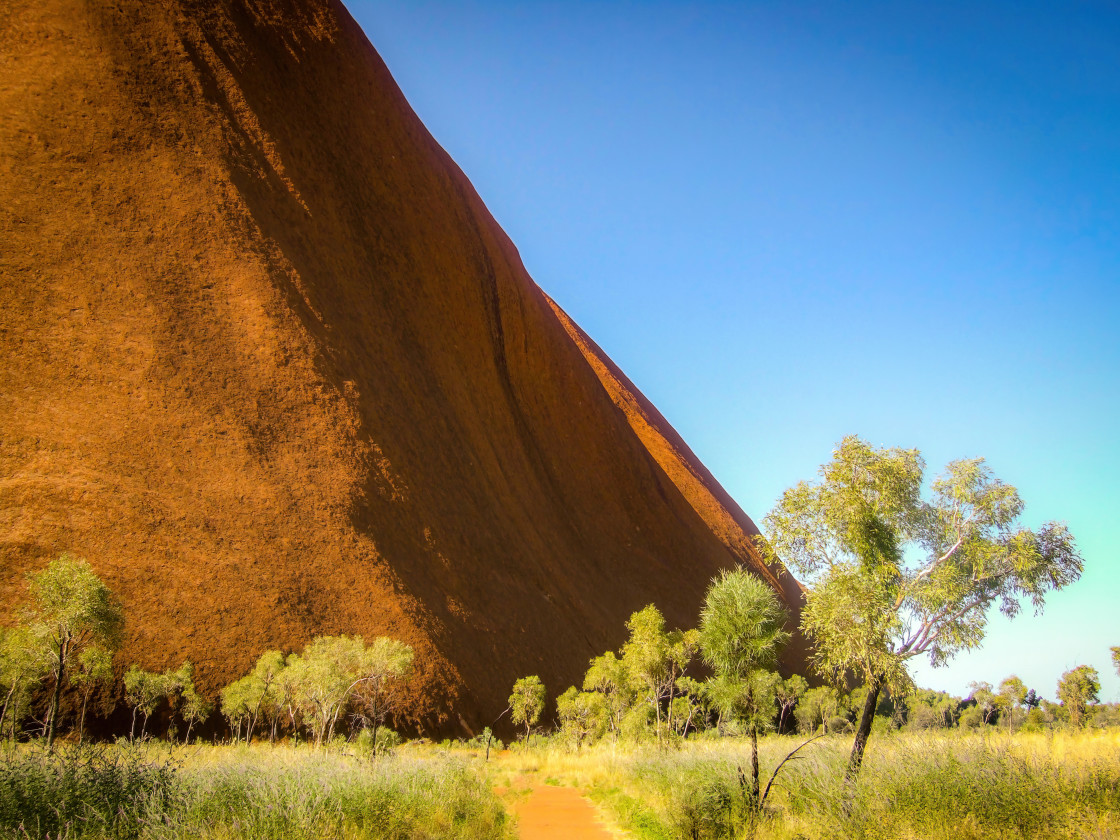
x,y
559,813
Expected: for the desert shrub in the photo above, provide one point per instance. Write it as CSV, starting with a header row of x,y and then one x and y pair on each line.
x,y
1035,721
971,718
694,797
382,743
637,725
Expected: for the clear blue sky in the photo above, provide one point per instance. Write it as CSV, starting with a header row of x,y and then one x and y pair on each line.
x,y
788,222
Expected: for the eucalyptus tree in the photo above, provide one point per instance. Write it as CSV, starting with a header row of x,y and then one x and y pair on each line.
x,y
265,678
788,692
94,669
246,699
607,675
893,576
742,626
984,696
330,676
582,715
236,701
384,667
71,609
655,658
1077,688
816,708
322,678
23,664
527,702
144,691
1012,693
194,709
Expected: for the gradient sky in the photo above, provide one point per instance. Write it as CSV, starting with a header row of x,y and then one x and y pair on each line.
x,y
788,222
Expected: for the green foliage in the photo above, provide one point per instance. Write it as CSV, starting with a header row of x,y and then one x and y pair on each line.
x,y
741,628
527,702
275,796
260,693
386,664
788,693
583,716
742,624
894,577
971,718
943,787
195,708
24,662
1010,696
70,609
94,669
984,698
95,793
654,659
1077,688
818,706
607,675
321,679
377,742
850,532
1116,659
926,709
332,676
145,691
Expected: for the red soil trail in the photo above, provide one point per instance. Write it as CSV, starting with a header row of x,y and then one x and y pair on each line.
x,y
559,813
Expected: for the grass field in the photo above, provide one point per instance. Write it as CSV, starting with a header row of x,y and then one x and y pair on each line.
x,y
257,793
947,785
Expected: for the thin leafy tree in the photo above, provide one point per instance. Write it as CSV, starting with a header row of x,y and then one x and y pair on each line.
x,y
71,608
195,708
894,576
655,658
527,702
607,676
985,699
789,691
1077,688
322,678
816,708
266,682
582,715
742,626
1116,659
384,668
23,665
94,669
1012,694
144,691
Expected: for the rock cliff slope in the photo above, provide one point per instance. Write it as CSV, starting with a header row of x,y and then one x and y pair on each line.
x,y
268,363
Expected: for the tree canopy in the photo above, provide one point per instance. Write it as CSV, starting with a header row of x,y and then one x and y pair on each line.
x,y
1077,688
70,609
527,702
894,576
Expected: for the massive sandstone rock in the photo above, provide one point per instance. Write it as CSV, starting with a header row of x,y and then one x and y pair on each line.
x,y
268,363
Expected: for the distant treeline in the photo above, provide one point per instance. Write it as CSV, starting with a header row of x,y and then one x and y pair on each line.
x,y
68,633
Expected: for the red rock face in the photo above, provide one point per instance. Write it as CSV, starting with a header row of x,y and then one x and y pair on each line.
x,y
268,363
